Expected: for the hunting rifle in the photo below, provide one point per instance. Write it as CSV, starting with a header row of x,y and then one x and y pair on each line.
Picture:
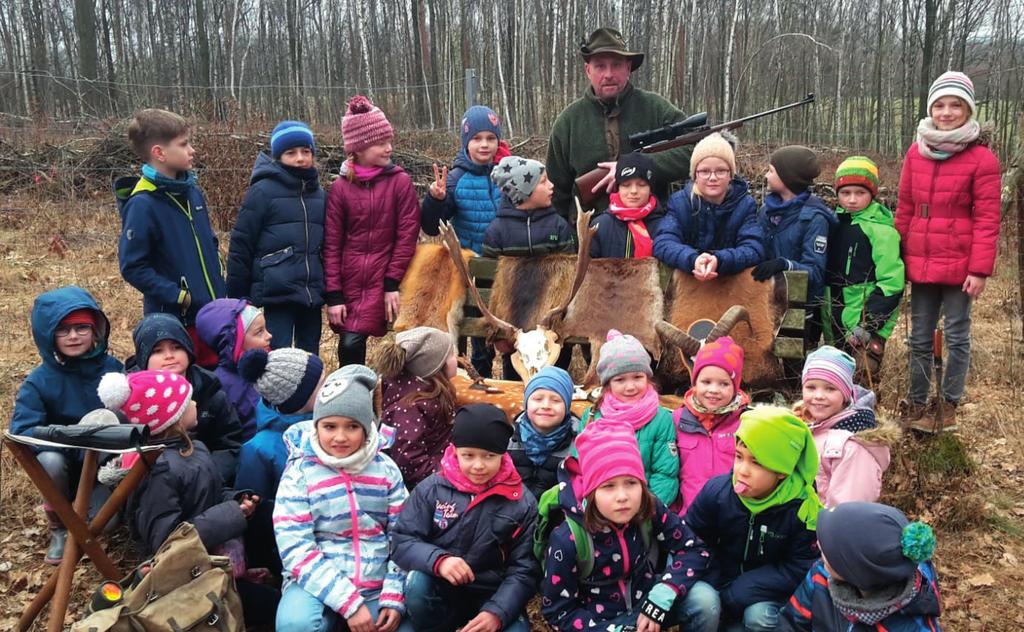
x,y
689,131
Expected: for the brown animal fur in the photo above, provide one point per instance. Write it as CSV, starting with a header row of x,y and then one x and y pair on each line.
x,y
432,292
525,288
766,303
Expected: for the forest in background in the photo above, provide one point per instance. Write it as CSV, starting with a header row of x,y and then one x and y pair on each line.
x,y
249,62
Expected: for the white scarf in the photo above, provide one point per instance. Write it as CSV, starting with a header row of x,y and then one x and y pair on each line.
x,y
355,462
936,144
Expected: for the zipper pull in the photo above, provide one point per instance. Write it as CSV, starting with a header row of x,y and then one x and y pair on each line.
x,y
764,534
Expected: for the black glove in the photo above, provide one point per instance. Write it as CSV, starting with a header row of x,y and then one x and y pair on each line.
x,y
768,269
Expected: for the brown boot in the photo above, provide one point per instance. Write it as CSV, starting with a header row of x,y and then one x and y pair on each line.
x,y
938,416
911,412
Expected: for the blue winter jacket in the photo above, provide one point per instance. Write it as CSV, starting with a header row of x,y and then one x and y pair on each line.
x,y
729,230
167,247
264,456
471,203
277,238
217,326
754,558
798,231
60,391
613,239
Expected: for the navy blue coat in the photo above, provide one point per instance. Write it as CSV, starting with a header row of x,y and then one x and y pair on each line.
x,y
183,489
613,239
167,245
798,231
518,233
60,391
754,558
471,203
276,242
495,538
729,230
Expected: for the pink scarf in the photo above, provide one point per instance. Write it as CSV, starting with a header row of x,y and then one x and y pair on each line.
x,y
365,174
507,479
634,218
637,413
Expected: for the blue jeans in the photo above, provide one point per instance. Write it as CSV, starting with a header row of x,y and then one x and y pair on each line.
x,y
434,605
927,302
702,609
293,324
300,611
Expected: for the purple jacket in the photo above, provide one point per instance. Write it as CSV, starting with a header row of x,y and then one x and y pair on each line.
x,y
217,324
703,455
370,236
421,431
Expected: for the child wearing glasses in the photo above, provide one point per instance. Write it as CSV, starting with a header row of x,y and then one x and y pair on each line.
x,y
711,228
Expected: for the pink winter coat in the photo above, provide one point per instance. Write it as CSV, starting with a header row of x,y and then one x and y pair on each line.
x,y
703,455
370,233
851,463
948,215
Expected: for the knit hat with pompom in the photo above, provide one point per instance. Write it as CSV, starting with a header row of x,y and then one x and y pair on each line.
x,y
364,125
156,399
287,378
622,353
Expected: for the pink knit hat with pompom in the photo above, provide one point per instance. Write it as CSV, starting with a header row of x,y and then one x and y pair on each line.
x,y
723,353
364,125
157,399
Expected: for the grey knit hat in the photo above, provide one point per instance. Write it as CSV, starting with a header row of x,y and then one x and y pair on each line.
x,y
426,350
622,353
286,378
517,177
348,392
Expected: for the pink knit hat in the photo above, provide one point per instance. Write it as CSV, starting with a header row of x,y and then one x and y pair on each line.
x,y
607,449
364,125
157,399
723,353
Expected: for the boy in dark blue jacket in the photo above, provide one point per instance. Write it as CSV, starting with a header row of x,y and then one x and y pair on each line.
x,y
274,260
468,198
759,521
167,250
797,225
71,334
526,224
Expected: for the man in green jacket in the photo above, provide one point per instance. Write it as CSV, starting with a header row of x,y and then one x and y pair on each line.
x,y
593,131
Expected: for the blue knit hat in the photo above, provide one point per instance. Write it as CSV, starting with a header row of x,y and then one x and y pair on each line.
x,y
479,118
289,134
553,379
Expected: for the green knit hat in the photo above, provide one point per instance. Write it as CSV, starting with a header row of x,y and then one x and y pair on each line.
x,y
782,442
858,170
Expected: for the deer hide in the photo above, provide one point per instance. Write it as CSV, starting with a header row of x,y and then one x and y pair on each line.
x,y
526,288
766,303
432,292
623,294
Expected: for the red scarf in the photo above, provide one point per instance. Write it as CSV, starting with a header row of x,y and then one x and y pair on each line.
x,y
643,245
506,482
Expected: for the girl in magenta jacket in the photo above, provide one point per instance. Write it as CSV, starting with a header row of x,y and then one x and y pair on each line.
x,y
706,423
372,222
948,220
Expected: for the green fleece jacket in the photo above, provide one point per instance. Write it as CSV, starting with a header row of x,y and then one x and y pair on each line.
x,y
864,274
657,440
590,131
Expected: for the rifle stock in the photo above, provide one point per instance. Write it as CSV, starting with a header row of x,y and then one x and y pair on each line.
x,y
587,181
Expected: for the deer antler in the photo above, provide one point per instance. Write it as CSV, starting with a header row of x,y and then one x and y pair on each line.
x,y
672,335
584,235
451,242
729,319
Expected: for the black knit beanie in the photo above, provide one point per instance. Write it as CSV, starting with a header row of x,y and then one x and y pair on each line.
x,y
481,426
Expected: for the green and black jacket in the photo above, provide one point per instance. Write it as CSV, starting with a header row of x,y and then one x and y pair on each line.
x,y
865,274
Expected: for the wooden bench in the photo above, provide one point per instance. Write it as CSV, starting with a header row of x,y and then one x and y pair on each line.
x,y
789,343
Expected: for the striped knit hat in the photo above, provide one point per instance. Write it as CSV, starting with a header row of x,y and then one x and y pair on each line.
x,y
290,134
952,84
860,171
607,449
364,125
832,365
